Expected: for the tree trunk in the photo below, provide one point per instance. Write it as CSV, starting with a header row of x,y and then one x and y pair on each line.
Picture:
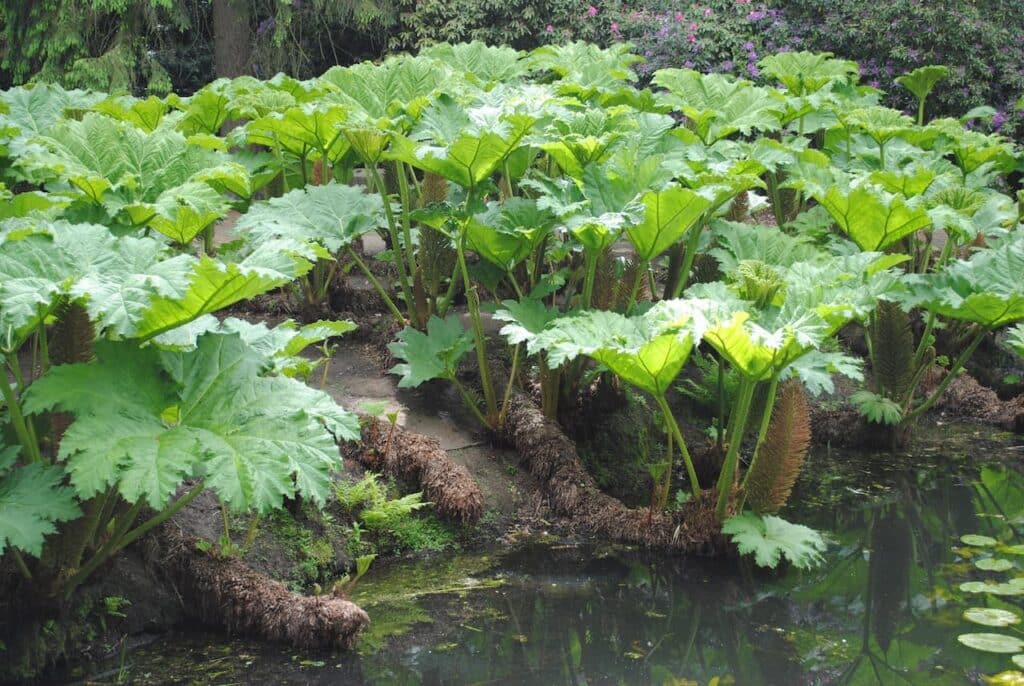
x,y
232,38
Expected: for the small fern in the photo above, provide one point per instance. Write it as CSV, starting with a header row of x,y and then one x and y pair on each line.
x,y
877,409
782,454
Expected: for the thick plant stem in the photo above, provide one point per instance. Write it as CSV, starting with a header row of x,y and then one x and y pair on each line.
x,y
950,375
766,417
403,276
588,280
641,269
691,252
122,537
378,287
403,194
31,447
670,421
473,300
508,386
20,562
470,402
737,429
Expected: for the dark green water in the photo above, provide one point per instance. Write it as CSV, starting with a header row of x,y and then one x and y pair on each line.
x,y
884,609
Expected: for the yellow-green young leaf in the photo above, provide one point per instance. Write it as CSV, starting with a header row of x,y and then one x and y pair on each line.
x,y
872,218
33,498
214,285
922,80
668,215
253,439
505,234
647,351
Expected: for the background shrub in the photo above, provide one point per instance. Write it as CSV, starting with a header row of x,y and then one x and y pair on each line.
x,y
982,42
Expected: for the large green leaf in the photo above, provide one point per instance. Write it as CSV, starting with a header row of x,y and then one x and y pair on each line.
x,y
506,233
647,351
333,216
33,498
769,539
806,72
116,165
214,285
718,105
922,80
310,130
668,215
26,112
759,352
481,63
985,288
146,420
464,146
431,355
872,218
398,84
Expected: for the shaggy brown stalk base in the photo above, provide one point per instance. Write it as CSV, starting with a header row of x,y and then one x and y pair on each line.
x,y
225,591
967,399
421,460
552,458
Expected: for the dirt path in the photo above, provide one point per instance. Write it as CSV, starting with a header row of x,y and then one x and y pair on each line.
x,y
355,381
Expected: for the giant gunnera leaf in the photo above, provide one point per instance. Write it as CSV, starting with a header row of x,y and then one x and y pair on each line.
x,y
986,288
33,498
871,217
333,216
647,351
146,420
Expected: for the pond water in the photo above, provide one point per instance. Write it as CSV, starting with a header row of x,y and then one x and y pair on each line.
x,y
885,608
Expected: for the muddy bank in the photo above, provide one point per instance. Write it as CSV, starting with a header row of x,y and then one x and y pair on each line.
x,y
551,456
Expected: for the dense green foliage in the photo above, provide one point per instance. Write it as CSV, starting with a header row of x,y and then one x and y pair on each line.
x,y
527,171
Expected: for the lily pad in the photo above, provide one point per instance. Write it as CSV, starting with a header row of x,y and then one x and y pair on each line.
x,y
990,616
992,643
993,564
978,540
1018,660
989,587
1013,550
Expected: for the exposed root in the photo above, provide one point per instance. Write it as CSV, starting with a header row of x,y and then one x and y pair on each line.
x,y
422,460
572,492
227,592
965,398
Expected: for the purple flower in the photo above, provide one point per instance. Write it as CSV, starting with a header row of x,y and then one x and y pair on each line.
x,y
591,11
549,28
748,46
753,70
998,119
688,64
757,15
727,65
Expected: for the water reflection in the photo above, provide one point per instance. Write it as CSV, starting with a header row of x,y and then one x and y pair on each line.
x,y
883,610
